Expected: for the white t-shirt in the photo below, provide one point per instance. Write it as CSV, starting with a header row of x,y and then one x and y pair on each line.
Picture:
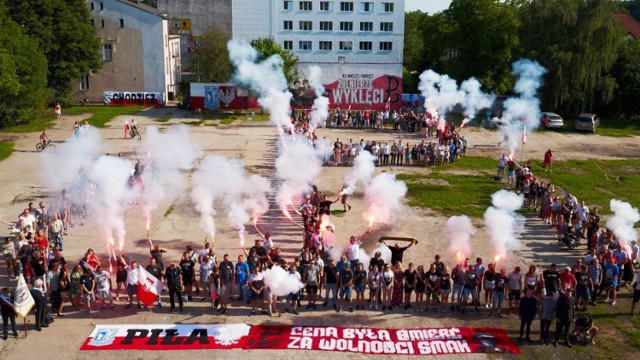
x,y
102,280
27,220
353,251
132,275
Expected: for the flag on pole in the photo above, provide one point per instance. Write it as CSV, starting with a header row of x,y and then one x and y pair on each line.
x,y
23,301
149,287
387,106
524,135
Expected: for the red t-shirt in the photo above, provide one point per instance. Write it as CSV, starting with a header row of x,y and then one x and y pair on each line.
x,y
42,242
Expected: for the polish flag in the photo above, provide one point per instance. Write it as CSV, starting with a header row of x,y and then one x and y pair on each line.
x,y
524,135
387,106
149,287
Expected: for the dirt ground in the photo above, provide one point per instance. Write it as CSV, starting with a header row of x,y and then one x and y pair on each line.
x,y
253,143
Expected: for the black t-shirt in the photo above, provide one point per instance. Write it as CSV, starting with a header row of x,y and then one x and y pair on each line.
x,y
374,261
432,278
445,282
157,255
187,268
226,270
154,270
360,277
38,266
252,261
500,281
87,282
332,274
346,277
584,321
396,254
439,267
410,276
326,204
489,276
583,280
551,280
173,277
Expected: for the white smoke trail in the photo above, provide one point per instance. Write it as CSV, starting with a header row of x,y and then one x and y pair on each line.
x,y
384,196
167,155
622,222
501,220
320,110
460,230
281,282
363,168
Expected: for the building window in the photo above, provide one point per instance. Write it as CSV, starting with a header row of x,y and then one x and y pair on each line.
x,y
304,45
346,6
453,53
92,22
386,46
107,52
84,82
121,23
366,7
326,25
387,7
326,5
91,8
386,26
365,46
176,50
366,26
346,26
326,45
346,45
102,24
287,45
288,5
306,5
101,6
306,25
288,25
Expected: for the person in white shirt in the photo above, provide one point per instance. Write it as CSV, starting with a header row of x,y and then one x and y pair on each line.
x,y
502,163
386,150
103,286
353,250
26,219
132,281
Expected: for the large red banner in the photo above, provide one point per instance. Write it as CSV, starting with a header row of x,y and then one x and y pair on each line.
x,y
422,341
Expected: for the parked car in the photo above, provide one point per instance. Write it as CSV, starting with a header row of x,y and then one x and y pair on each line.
x,y
551,120
587,122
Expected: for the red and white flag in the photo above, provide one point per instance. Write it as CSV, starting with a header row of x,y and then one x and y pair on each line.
x,y
524,135
387,106
149,287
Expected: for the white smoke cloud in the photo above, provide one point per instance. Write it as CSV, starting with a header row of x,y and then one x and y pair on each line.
x,y
225,180
622,222
266,78
321,103
384,196
361,172
501,220
167,154
281,282
460,230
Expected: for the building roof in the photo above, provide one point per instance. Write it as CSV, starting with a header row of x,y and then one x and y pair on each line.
x,y
629,23
143,7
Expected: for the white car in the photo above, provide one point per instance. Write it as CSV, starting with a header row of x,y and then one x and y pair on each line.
x,y
551,120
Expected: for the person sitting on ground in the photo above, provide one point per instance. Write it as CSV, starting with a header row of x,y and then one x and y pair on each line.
x,y
584,326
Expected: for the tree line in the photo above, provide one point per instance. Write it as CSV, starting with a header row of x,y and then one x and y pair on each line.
x,y
44,46
592,64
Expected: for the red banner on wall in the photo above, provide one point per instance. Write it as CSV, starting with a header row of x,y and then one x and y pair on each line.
x,y
422,341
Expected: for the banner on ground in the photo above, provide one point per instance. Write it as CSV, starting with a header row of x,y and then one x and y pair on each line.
x,y
421,341
167,337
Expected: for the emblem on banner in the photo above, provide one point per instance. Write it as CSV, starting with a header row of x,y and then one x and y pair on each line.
x,y
104,337
228,335
227,96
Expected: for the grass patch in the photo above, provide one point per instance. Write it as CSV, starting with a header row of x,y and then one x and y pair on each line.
x,y
193,123
43,122
226,121
597,182
162,120
338,213
169,210
608,127
101,114
211,124
6,149
451,194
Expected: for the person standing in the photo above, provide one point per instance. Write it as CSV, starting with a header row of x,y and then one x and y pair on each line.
x,y
241,275
187,266
330,281
353,250
515,287
457,275
88,286
527,314
547,314
397,251
103,286
346,286
360,281
583,288
636,292
40,300
8,312
226,278
548,159
498,293
311,279
132,281
58,110
157,271
409,285
565,313
471,282
174,278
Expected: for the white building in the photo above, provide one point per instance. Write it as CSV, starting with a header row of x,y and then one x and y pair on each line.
x,y
141,61
358,44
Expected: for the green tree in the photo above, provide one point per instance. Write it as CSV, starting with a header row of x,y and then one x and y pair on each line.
x,y
578,42
267,47
626,71
65,35
23,74
210,62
